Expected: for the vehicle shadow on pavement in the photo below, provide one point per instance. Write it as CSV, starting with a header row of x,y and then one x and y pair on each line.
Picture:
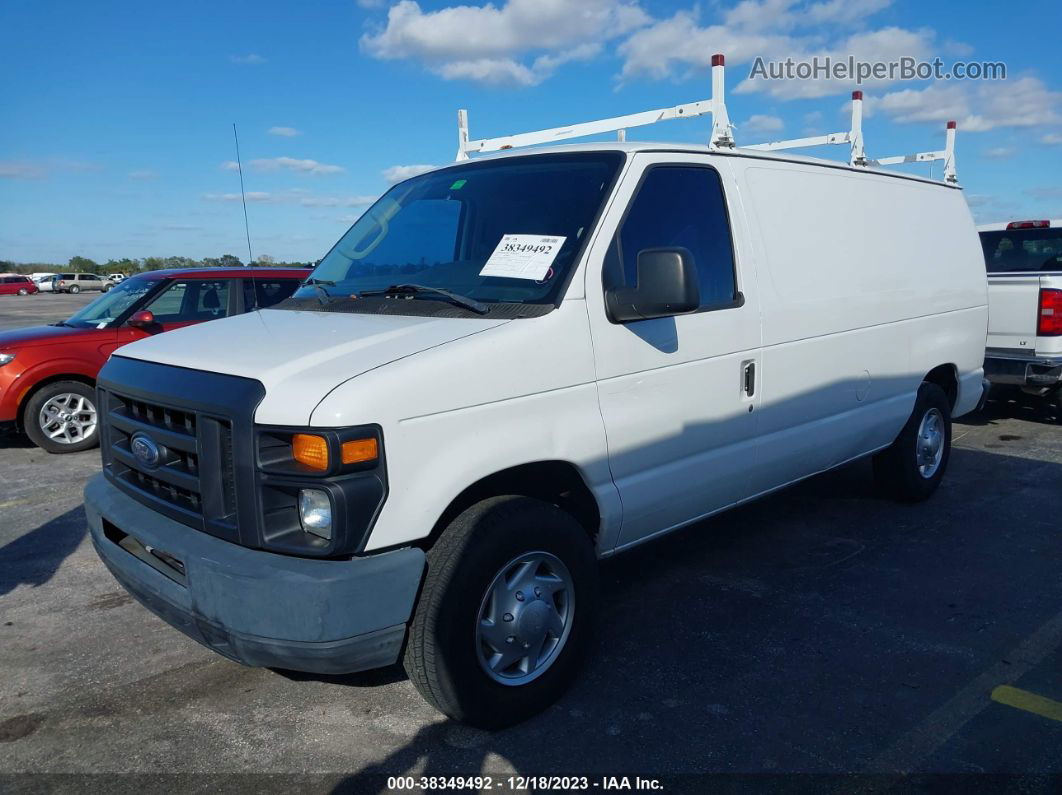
x,y
760,640
34,557
1015,404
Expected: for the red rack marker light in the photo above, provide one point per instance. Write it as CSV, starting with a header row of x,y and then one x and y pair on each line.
x,y
952,125
857,95
717,60
1050,317
1029,225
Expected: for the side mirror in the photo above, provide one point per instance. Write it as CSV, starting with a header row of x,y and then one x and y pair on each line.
x,y
142,320
667,285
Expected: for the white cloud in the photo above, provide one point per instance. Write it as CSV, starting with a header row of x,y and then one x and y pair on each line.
x,y
1052,139
487,43
337,201
230,165
761,123
998,152
284,132
1024,102
303,166
144,173
1047,192
15,170
252,196
398,173
250,58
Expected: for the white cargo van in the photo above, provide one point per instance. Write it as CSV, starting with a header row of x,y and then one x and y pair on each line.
x,y
511,367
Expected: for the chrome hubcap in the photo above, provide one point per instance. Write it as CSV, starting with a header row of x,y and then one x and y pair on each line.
x,y
525,618
930,443
68,418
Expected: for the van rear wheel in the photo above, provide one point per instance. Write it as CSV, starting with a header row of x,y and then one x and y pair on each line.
x,y
911,469
506,612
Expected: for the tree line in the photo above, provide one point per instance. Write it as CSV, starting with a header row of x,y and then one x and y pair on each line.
x,y
130,266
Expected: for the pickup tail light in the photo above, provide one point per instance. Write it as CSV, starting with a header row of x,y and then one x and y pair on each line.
x,y
1029,225
1050,315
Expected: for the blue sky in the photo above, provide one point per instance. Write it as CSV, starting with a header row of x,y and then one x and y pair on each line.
x,y
116,135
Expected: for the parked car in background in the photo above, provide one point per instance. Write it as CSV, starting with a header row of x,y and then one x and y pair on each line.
x,y
1024,264
80,282
17,284
43,281
490,382
116,277
48,373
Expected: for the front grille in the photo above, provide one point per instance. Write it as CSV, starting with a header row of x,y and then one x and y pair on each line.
x,y
193,479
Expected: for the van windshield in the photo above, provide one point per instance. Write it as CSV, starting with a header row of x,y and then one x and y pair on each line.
x,y
501,231
1011,250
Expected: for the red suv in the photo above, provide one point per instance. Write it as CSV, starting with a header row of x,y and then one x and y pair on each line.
x,y
13,284
48,373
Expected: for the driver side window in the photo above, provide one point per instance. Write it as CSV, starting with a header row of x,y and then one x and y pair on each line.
x,y
191,301
679,207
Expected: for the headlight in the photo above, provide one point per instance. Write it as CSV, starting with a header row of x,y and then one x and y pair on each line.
x,y
6,358
315,512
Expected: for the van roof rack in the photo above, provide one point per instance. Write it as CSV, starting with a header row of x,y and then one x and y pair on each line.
x,y
722,136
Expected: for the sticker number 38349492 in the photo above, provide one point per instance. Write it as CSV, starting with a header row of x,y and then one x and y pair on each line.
x,y
523,257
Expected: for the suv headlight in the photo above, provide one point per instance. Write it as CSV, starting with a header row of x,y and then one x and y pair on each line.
x,y
6,358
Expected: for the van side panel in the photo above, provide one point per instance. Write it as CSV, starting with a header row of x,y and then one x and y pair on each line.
x,y
867,282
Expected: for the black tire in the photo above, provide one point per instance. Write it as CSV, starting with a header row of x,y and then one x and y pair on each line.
x,y
897,469
23,291
442,656
31,419
73,289
106,287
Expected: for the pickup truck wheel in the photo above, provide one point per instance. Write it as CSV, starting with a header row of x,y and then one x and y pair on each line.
x,y
506,612
911,469
61,417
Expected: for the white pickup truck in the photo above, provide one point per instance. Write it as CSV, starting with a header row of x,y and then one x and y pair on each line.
x,y
1024,263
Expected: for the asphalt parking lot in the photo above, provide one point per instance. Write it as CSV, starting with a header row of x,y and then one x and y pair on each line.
x,y
822,630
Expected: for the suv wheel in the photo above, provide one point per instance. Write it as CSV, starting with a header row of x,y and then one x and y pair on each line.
x,y
74,289
506,612
23,291
62,418
913,466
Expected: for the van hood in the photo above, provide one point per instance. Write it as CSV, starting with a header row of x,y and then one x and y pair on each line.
x,y
315,351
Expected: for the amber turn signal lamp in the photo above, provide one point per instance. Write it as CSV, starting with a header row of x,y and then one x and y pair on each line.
x,y
310,451
359,451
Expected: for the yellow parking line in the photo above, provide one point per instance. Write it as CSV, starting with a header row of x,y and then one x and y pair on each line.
x,y
1030,702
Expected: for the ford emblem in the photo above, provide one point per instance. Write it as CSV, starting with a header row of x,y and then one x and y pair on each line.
x,y
145,450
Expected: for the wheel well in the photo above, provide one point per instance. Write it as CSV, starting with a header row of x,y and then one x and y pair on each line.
x,y
84,379
946,378
556,482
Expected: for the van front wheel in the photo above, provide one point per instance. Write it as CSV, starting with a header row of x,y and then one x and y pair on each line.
x,y
506,612
913,466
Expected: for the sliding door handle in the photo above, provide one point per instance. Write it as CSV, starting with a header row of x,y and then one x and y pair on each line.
x,y
748,378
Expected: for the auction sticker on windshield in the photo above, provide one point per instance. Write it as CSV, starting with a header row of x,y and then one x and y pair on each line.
x,y
523,257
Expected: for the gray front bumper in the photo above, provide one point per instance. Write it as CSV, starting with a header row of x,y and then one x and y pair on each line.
x,y
255,607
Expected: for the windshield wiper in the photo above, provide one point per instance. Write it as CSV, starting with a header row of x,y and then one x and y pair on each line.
x,y
414,290
319,284
64,323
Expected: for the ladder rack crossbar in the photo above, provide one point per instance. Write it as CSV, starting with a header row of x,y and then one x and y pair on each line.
x,y
918,157
685,111
721,135
800,143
